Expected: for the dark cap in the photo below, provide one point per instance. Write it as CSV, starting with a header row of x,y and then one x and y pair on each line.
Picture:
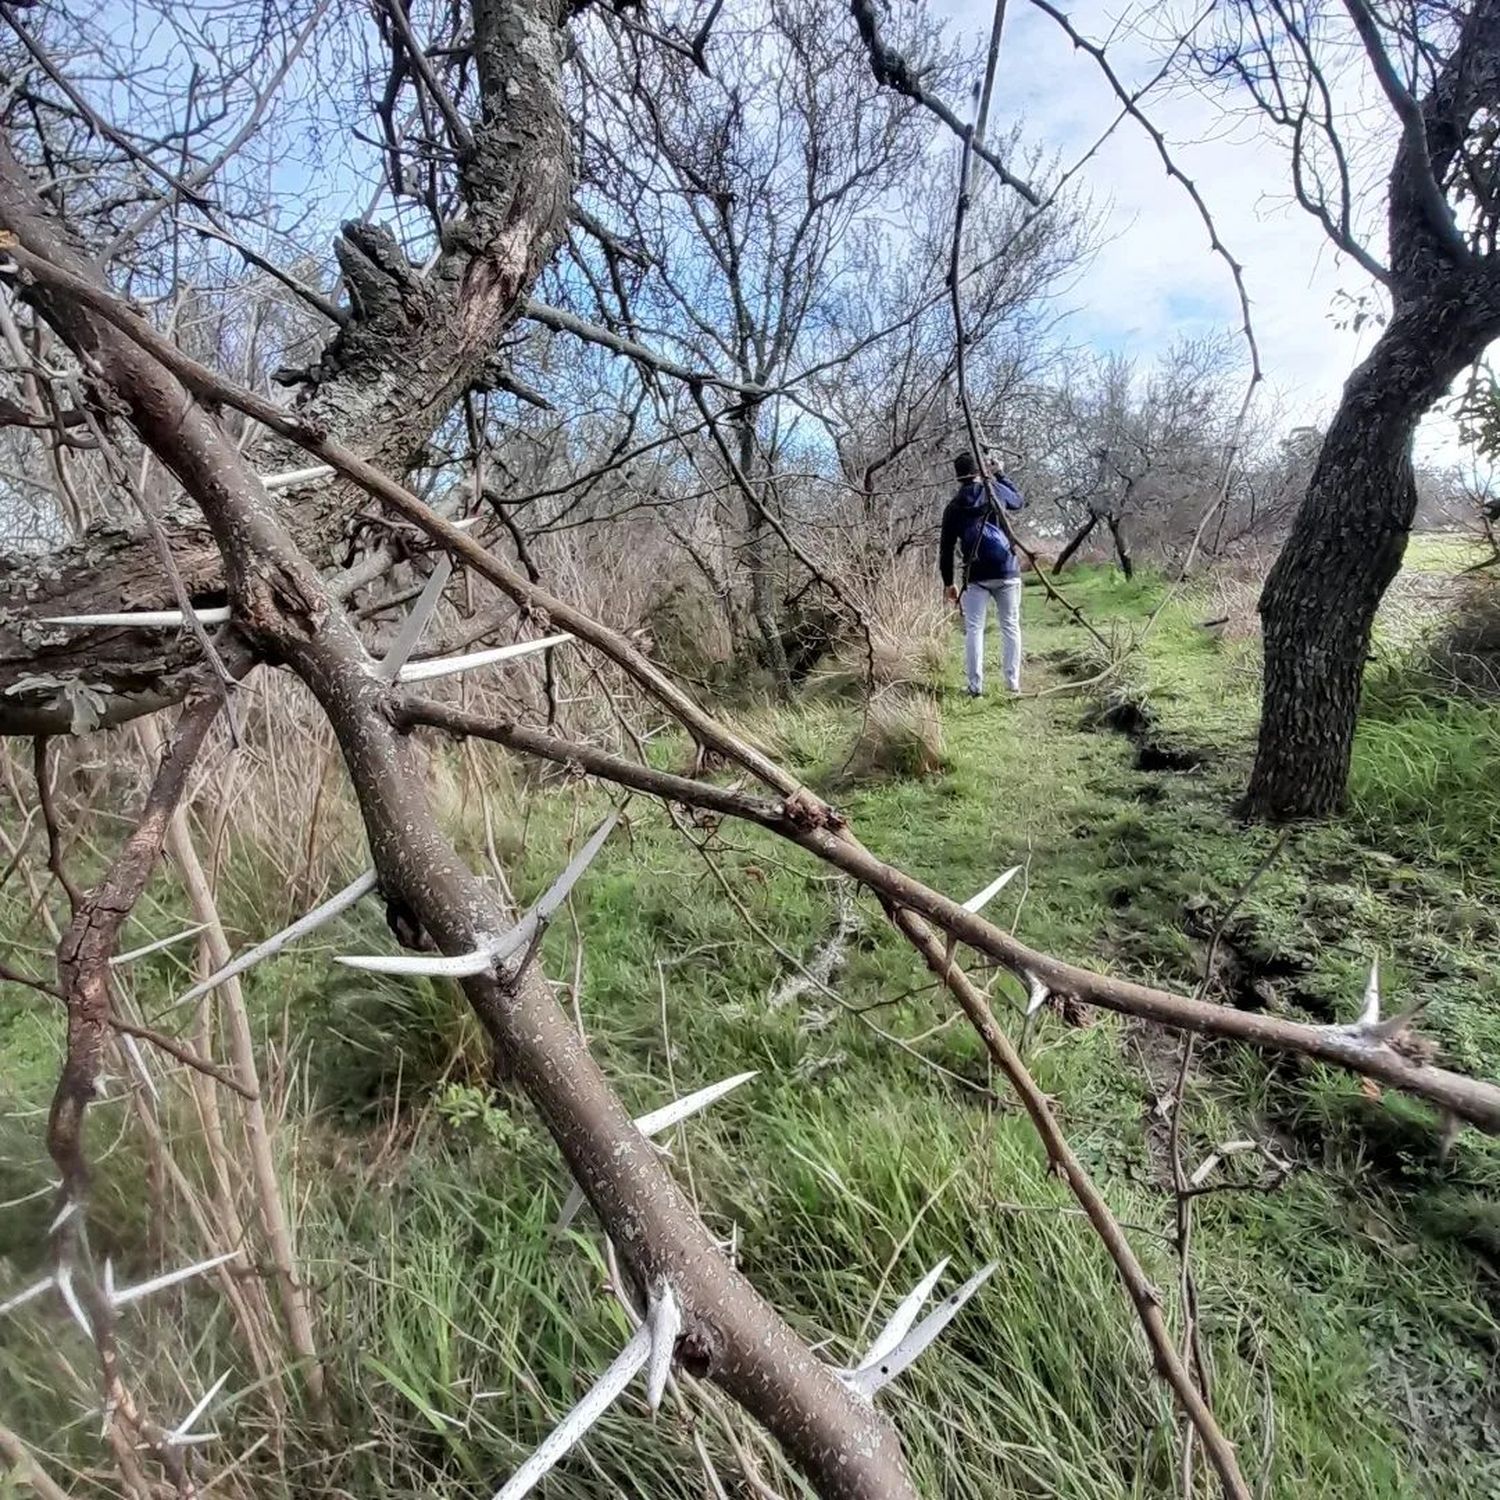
x,y
964,466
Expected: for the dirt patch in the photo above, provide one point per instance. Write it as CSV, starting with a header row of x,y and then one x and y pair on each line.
x,y
1151,755
1154,749
1248,972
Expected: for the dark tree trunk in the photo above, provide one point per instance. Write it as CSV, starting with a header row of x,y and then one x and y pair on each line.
x,y
758,537
1078,539
1346,545
1350,533
1122,546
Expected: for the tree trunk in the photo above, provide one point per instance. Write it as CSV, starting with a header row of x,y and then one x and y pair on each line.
x,y
1122,546
1079,538
1320,600
758,537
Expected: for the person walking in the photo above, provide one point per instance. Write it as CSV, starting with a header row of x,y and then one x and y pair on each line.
x,y
991,570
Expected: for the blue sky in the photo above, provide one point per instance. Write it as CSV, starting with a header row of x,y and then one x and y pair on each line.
x,y
1155,278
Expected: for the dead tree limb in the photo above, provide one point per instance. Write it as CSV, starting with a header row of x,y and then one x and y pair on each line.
x,y
283,608
820,830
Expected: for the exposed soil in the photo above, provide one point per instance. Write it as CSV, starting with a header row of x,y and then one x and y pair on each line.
x,y
1153,750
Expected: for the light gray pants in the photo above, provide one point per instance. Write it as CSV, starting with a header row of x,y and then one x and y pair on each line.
x,y
975,599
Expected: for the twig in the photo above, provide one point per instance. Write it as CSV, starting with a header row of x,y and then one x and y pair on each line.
x,y
83,969
24,1467
44,792
1067,1166
184,1054
458,127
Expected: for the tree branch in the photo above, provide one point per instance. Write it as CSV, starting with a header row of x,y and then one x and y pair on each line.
x,y
1414,128
818,830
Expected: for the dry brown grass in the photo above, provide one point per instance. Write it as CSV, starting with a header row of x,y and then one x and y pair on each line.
x,y
910,631
901,738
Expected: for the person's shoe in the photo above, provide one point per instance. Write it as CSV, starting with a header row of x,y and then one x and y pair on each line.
x,y
973,692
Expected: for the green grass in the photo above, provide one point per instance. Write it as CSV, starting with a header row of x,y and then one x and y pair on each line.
x,y
1350,1315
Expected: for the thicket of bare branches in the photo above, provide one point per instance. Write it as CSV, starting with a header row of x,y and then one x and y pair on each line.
x,y
623,312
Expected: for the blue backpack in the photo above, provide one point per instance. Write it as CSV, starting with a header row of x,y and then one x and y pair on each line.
x,y
985,548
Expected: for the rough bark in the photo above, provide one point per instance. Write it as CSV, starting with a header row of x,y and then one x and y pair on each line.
x,y
411,345
1346,545
1122,545
1347,542
758,562
844,1447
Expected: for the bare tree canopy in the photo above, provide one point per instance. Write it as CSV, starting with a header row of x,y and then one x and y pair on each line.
x,y
347,349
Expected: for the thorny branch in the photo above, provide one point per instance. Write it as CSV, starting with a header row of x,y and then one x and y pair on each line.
x,y
813,825
83,972
1470,1099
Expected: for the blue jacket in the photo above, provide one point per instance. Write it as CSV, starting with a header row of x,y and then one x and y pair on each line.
x,y
969,525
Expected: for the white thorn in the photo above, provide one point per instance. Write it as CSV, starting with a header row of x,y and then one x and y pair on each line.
x,y
558,891
451,966
1036,994
138,1062
1395,1025
1205,1169
445,666
70,1298
26,1294
109,1280
130,1294
595,1403
904,1316
690,1104
182,1433
65,1213
571,1205
416,622
664,1320
659,1120
1370,1016
493,949
867,1381
998,884
143,618
335,904
289,477
157,946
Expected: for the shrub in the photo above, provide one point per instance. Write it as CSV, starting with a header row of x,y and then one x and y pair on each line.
x,y
910,632
901,737
1465,657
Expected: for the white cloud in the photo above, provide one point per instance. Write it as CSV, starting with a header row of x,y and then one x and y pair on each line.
x,y
1156,277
